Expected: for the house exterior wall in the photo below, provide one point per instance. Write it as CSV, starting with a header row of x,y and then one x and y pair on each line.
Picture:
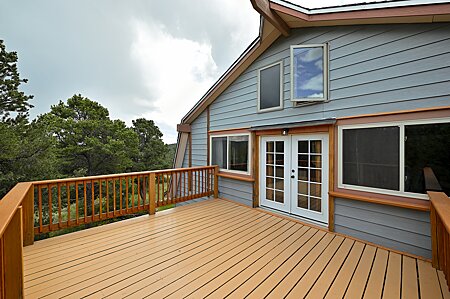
x,y
372,69
402,229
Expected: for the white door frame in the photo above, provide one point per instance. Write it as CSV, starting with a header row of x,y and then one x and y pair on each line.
x,y
290,178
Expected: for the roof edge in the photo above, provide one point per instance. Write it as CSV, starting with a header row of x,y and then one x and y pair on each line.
x,y
359,6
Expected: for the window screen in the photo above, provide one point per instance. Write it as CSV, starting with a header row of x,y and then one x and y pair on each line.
x,y
269,87
371,157
238,153
427,145
219,152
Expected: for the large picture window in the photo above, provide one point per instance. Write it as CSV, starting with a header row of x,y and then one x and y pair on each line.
x,y
231,152
309,73
389,158
270,87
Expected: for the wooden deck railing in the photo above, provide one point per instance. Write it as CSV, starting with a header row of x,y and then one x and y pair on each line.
x,y
440,224
38,207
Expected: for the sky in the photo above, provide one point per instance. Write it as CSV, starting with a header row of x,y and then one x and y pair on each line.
x,y
138,58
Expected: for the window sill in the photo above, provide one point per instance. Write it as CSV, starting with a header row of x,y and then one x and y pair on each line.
x,y
235,176
401,202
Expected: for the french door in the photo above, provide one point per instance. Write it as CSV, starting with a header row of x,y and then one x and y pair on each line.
x,y
294,175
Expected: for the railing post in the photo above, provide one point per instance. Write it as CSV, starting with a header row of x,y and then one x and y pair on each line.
x,y
151,194
216,181
28,217
12,269
434,236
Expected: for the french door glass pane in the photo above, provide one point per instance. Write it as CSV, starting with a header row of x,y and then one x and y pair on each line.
x,y
275,171
302,201
315,204
371,157
310,175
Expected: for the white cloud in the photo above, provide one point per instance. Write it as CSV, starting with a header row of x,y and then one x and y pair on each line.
x,y
175,71
315,83
310,54
319,64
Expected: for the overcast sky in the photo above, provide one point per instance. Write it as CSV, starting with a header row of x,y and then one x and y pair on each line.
x,y
138,58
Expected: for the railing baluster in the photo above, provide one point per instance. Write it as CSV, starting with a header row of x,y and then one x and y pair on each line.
x,y
114,196
132,193
85,201
50,206
126,195
40,207
92,200
68,203
76,204
100,198
198,181
120,196
107,198
59,206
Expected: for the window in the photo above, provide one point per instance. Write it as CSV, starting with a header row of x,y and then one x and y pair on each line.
x,y
309,73
427,145
270,87
231,152
371,157
389,158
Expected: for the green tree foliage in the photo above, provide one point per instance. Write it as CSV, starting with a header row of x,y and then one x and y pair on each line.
x,y
12,100
152,150
88,141
26,153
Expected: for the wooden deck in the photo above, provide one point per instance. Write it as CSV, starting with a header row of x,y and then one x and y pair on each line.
x,y
217,248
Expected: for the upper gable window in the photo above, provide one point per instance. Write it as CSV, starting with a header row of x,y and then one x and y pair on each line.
x,y
270,88
309,73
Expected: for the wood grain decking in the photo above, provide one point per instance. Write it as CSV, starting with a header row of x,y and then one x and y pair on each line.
x,y
217,248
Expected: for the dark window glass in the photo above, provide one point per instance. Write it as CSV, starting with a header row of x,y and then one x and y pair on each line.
x,y
269,87
371,157
239,153
219,152
427,145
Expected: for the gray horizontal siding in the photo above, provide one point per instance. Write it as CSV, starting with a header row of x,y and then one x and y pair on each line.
x,y
401,229
238,191
374,68
199,142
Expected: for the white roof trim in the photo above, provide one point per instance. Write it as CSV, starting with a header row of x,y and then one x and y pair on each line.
x,y
363,6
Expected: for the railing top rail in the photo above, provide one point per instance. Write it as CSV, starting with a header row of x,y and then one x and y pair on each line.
x,y
117,175
10,202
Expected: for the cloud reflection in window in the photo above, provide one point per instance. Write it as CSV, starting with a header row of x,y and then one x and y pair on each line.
x,y
308,72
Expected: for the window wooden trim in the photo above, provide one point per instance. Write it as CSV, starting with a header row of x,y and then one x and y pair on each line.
x,y
401,202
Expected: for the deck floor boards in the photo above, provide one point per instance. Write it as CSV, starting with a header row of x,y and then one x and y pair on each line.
x,y
216,249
